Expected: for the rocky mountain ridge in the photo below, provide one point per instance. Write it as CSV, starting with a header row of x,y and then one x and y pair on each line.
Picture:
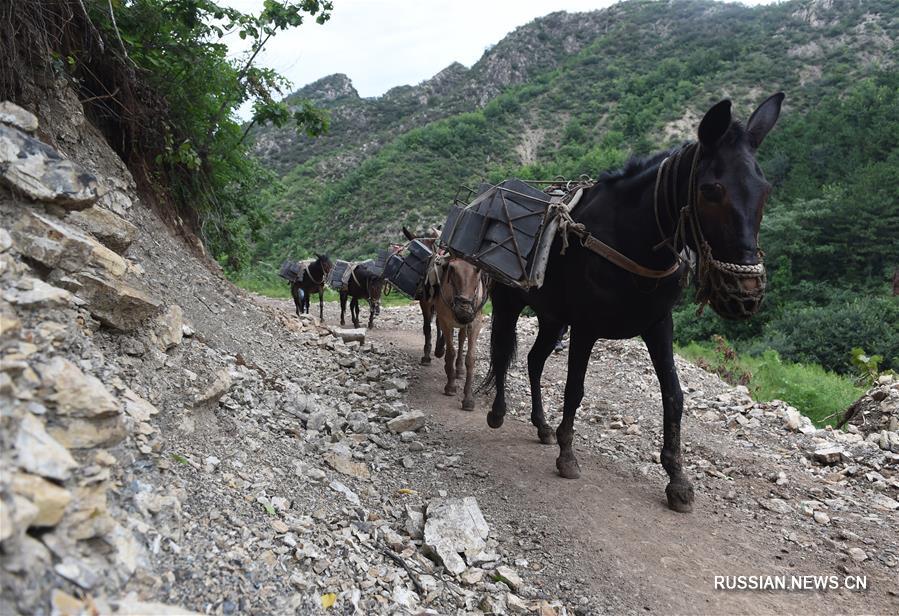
x,y
367,123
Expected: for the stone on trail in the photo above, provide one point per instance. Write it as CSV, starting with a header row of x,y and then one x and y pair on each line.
x,y
218,388
407,422
342,489
830,454
455,526
345,465
351,335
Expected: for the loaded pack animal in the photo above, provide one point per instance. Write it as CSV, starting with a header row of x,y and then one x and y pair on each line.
x,y
426,301
311,280
637,231
460,294
364,283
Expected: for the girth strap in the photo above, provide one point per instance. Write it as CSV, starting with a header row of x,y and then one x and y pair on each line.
x,y
604,250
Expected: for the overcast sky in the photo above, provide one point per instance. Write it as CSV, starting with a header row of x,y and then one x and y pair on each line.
x,y
385,43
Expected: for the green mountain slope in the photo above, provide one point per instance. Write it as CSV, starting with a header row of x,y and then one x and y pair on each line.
x,y
640,84
637,78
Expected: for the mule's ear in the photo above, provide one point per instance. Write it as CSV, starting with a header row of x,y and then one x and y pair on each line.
x,y
763,119
408,234
714,124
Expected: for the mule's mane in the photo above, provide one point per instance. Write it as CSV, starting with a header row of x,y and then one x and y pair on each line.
x,y
637,165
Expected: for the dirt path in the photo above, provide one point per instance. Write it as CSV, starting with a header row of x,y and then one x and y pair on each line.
x,y
607,540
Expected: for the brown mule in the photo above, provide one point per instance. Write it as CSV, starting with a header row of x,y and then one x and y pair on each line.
x,y
460,297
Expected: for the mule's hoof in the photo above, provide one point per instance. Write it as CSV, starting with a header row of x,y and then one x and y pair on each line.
x,y
425,361
495,420
680,496
449,391
568,467
468,405
438,353
546,435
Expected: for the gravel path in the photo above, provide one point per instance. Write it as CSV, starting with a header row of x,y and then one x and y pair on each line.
x,y
607,542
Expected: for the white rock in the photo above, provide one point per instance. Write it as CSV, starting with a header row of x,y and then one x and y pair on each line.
x,y
40,454
12,114
407,422
453,527
342,489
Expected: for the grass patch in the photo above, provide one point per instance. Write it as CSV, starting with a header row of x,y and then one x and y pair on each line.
x,y
816,392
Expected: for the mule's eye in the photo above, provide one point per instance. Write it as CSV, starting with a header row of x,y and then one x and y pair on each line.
x,y
712,192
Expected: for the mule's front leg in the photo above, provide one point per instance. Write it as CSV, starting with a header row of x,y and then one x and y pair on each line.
x,y
343,296
460,351
321,305
426,328
448,361
658,342
371,314
578,357
473,331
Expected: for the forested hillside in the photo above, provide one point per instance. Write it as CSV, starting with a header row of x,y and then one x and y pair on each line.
x,y
638,84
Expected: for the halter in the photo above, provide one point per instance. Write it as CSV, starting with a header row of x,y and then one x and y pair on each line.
x,y
438,263
717,282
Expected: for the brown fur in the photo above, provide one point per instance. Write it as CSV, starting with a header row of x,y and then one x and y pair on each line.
x,y
458,303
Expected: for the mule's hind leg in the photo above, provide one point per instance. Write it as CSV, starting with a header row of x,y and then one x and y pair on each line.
x,y
343,296
506,308
354,312
460,351
578,357
297,301
543,347
658,342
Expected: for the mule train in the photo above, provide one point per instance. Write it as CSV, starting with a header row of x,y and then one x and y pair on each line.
x,y
608,259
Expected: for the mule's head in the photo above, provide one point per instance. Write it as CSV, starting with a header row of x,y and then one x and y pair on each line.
x,y
325,262
730,200
462,289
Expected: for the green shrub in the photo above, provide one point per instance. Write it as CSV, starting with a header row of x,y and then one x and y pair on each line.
x,y
814,391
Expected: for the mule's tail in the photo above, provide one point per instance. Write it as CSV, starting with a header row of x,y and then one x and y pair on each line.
x,y
503,348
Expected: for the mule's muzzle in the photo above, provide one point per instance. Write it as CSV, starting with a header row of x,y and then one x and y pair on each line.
x,y
464,310
734,291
